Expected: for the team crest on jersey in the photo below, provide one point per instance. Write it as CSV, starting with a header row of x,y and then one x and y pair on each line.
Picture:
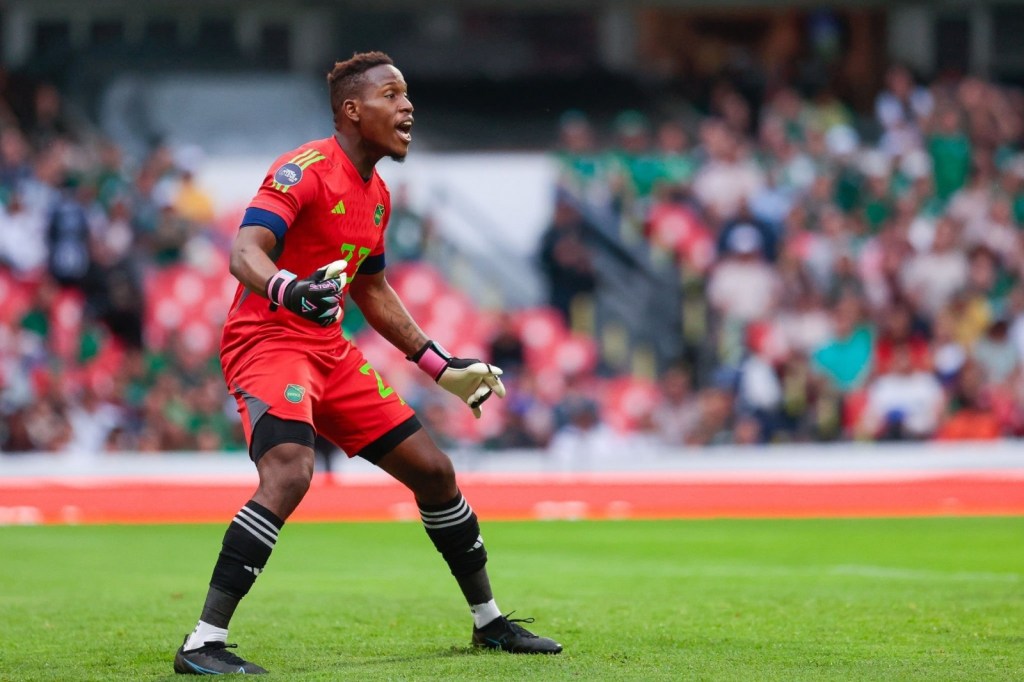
x,y
378,215
288,174
293,393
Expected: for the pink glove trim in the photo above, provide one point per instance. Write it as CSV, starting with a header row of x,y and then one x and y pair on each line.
x,y
277,284
433,363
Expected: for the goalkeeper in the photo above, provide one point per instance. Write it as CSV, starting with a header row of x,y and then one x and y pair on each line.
x,y
314,229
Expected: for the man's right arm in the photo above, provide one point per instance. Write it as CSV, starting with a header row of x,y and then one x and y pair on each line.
x,y
316,297
250,263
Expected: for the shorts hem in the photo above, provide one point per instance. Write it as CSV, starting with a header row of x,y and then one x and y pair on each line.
x,y
390,440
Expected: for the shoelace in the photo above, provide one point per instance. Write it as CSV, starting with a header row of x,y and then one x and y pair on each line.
x,y
219,651
513,625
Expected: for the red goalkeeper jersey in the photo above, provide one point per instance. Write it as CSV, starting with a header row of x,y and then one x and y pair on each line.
x,y
320,210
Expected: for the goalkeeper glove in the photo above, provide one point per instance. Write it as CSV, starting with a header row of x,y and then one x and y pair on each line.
x,y
470,379
316,298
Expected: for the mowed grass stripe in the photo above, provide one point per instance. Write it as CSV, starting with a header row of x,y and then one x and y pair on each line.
x,y
837,599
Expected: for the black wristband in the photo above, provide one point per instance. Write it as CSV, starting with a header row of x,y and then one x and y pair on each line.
x,y
415,357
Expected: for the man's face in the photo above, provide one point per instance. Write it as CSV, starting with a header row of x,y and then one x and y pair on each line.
x,y
385,112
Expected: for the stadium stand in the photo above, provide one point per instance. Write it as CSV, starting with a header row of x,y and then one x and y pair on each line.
x,y
741,275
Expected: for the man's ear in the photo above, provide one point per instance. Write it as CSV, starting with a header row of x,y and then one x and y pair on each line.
x,y
350,110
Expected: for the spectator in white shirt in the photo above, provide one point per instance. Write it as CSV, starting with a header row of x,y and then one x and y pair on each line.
x,y
932,278
729,178
743,286
904,403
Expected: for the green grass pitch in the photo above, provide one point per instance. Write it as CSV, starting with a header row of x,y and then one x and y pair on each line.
x,y
751,600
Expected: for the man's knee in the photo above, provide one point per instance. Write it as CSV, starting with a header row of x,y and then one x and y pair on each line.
x,y
284,454
423,468
432,477
437,474
287,465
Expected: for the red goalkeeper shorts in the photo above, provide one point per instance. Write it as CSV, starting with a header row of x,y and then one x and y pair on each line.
x,y
337,392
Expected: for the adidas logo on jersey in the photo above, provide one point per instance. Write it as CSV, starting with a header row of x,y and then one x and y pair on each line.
x,y
339,209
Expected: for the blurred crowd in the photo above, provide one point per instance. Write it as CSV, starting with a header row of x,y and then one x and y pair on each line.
x,y
83,233
844,277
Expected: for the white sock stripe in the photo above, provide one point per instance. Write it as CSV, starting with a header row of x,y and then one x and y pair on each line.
x,y
260,521
254,528
434,526
255,532
460,514
445,512
451,521
441,512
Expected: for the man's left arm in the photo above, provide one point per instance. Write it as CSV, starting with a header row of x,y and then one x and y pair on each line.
x,y
386,313
470,379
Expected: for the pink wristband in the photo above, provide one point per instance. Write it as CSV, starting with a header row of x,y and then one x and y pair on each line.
x,y
432,361
277,285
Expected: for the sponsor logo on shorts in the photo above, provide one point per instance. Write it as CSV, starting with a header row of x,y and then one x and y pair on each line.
x,y
288,174
293,393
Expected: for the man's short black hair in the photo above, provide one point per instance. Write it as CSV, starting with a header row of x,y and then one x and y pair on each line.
x,y
346,77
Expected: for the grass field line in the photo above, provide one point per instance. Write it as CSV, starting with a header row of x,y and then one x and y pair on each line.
x,y
890,572
866,571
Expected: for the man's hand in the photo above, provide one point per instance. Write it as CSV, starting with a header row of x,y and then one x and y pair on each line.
x,y
316,298
470,379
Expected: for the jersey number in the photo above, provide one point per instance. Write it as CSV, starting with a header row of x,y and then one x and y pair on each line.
x,y
347,252
383,389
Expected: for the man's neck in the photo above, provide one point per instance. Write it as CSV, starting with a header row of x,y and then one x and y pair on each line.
x,y
362,163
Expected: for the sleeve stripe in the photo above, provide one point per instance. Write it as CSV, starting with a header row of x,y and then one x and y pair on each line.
x,y
309,153
310,161
372,265
265,218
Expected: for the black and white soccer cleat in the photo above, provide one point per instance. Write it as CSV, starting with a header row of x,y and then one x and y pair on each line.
x,y
213,658
508,635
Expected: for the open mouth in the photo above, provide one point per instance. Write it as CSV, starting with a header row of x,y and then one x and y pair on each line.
x,y
405,130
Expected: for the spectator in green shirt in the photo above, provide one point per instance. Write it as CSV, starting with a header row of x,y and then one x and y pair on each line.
x,y
950,151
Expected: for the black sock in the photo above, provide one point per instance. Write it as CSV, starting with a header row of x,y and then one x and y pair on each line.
x,y
455,532
244,553
219,608
476,587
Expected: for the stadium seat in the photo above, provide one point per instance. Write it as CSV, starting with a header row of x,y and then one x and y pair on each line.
x,y
199,337
188,287
855,403
541,330
183,296
100,373
569,358
627,403
676,228
417,284
15,297
66,323
452,319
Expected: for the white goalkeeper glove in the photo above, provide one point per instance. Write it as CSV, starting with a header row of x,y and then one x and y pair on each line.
x,y
472,380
